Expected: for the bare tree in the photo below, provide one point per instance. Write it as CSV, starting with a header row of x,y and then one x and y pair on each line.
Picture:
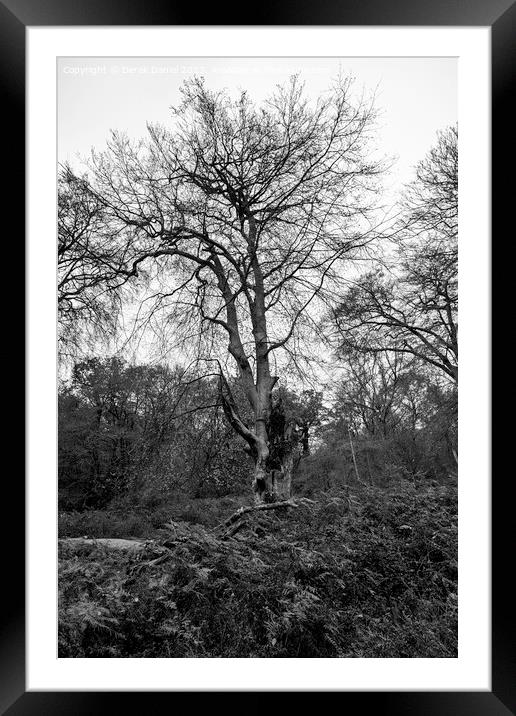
x,y
90,265
411,305
372,389
245,215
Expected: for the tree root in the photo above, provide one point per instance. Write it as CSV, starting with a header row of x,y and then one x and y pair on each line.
x,y
237,520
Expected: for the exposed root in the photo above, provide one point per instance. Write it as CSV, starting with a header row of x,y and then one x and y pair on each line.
x,y
238,519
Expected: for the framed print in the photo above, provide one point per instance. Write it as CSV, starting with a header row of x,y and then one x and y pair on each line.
x,y
246,436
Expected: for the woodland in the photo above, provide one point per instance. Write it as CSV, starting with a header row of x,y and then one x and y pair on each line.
x,y
258,371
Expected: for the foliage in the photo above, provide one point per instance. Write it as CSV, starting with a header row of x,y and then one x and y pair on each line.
x,y
358,573
399,418
142,518
131,428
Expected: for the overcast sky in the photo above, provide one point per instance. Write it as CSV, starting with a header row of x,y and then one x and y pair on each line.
x,y
415,96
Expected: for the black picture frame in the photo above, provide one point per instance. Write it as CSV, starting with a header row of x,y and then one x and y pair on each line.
x,y
500,16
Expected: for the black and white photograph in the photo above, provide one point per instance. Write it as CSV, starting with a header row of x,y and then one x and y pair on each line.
x,y
258,357
248,243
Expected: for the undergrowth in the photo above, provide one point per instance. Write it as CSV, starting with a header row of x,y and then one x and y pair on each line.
x,y
370,573
123,519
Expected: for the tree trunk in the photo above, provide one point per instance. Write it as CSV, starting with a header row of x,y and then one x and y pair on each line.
x,y
271,443
274,461
354,457
273,484
261,478
282,479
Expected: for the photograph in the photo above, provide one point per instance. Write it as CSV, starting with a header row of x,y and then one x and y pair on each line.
x,y
257,308
248,245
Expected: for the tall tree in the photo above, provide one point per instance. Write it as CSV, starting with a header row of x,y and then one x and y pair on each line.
x,y
372,391
244,216
411,304
90,265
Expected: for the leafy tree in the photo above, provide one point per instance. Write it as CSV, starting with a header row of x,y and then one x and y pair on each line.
x,y
144,430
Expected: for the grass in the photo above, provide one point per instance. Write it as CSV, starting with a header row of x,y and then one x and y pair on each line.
x,y
371,573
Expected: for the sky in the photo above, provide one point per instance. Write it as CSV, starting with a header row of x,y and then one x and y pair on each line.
x,y
415,96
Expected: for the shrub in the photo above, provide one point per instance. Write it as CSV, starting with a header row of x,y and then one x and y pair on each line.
x,y
369,573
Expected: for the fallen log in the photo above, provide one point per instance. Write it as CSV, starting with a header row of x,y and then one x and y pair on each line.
x,y
107,542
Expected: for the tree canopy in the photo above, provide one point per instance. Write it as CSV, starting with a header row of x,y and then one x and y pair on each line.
x,y
245,215
410,303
